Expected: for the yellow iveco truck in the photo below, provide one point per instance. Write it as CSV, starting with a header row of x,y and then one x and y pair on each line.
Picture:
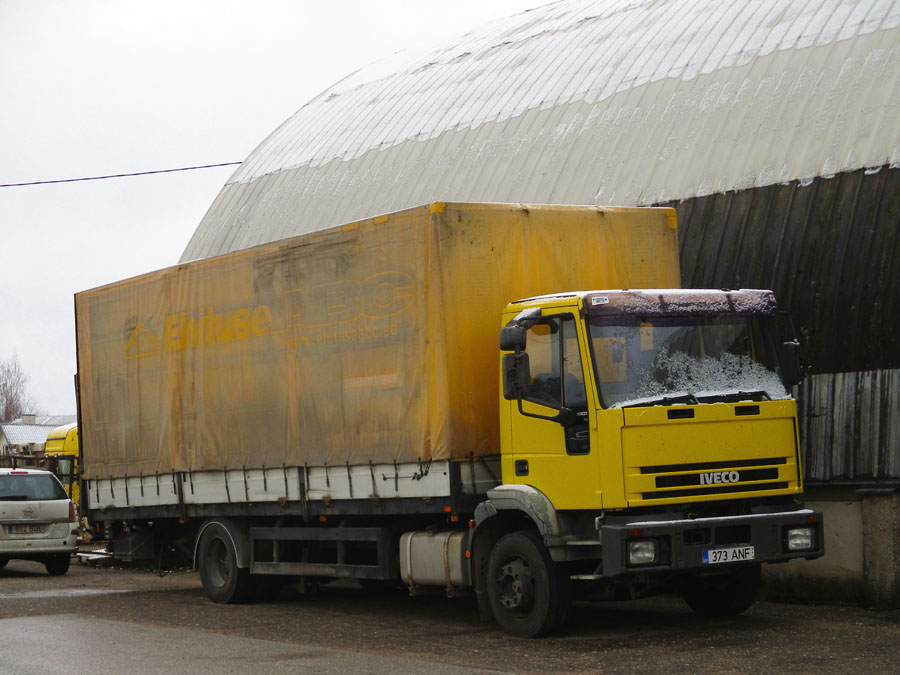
x,y
62,445
512,400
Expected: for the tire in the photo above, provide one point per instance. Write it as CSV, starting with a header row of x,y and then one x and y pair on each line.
x,y
528,595
223,581
57,564
725,595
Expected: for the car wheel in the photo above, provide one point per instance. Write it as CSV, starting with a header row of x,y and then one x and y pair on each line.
x,y
724,595
223,581
57,564
529,596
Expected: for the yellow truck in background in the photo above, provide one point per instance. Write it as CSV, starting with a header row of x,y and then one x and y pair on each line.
x,y
513,400
62,444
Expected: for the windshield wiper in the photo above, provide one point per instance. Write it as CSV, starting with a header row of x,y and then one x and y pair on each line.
x,y
14,498
729,396
733,395
679,397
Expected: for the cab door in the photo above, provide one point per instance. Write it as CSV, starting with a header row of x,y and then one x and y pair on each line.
x,y
554,456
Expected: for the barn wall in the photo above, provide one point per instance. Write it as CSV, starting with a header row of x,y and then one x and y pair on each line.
x,y
829,249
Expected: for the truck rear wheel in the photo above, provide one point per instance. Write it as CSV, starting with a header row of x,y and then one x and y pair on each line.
x,y
223,581
725,595
529,596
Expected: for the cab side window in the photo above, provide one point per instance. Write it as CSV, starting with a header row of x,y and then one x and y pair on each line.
x,y
543,354
557,378
556,372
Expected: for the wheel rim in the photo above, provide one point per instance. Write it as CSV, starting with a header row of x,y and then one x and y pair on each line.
x,y
218,563
515,585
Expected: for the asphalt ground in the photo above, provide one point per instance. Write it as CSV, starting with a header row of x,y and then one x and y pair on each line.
x,y
114,620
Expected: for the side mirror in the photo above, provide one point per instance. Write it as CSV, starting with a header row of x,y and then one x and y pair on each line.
x,y
516,375
790,362
566,417
512,338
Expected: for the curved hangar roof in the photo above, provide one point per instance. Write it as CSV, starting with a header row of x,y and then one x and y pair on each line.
x,y
611,102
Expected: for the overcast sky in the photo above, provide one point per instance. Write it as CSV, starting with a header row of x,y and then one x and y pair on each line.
x,y
91,88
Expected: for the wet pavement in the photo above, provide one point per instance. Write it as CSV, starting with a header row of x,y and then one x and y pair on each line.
x,y
119,647
113,620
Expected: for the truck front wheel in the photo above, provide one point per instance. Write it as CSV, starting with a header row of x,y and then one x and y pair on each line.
x,y
529,596
223,581
724,595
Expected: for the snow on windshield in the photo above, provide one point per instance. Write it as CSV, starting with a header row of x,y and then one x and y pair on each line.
x,y
676,374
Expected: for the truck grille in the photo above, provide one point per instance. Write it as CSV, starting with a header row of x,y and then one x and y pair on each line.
x,y
715,477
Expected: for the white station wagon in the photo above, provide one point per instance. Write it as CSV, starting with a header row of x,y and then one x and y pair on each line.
x,y
38,521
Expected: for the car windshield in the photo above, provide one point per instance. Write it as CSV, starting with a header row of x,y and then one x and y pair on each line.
x,y
30,487
665,360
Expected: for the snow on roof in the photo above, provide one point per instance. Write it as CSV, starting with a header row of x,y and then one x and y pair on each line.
x,y
628,102
19,434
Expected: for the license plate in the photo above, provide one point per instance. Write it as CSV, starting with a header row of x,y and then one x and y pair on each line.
x,y
713,556
27,529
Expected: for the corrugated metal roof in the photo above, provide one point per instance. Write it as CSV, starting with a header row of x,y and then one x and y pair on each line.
x,y
51,420
19,434
612,102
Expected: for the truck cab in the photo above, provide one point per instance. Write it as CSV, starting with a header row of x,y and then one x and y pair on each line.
x,y
652,437
62,445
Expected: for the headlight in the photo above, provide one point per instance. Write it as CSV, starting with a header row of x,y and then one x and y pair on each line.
x,y
642,552
801,539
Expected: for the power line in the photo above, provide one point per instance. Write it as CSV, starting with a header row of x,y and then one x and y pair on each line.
x,y
119,175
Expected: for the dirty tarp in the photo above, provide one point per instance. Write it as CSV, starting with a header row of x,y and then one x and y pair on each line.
x,y
376,341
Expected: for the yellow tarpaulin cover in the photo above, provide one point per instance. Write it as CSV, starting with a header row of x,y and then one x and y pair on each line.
x,y
376,341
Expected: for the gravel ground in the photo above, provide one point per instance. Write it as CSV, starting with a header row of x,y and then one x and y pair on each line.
x,y
652,635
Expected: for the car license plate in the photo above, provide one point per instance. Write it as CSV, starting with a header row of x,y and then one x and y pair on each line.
x,y
27,529
714,556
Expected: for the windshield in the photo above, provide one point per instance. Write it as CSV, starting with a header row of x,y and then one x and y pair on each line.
x,y
664,360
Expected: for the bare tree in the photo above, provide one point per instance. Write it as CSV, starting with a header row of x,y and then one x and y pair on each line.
x,y
14,397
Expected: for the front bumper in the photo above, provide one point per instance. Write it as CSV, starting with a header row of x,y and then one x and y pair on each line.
x,y
682,543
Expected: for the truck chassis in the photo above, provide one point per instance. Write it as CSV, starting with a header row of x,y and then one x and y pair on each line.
x,y
447,524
